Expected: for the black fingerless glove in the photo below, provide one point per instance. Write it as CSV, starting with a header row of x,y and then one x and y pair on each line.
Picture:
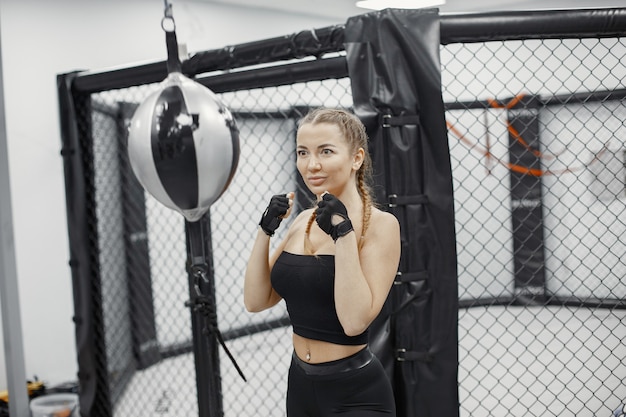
x,y
328,207
273,215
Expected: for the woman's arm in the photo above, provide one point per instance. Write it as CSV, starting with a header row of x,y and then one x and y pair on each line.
x,y
258,294
363,278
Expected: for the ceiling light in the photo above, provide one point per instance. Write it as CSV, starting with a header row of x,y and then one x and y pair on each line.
x,y
398,4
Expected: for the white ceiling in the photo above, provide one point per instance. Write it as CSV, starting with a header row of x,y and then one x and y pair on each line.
x,y
340,10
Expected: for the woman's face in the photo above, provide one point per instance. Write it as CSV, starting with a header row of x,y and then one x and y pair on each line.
x,y
324,160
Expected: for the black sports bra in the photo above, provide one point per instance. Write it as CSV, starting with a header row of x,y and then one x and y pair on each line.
x,y
306,283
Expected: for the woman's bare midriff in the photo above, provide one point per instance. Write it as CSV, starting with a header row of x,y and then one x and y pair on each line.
x,y
322,351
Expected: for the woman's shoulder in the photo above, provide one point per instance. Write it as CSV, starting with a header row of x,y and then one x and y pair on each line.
x,y
383,225
382,238
384,217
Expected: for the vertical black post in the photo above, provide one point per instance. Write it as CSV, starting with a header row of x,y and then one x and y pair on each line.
x,y
393,61
205,345
526,201
77,149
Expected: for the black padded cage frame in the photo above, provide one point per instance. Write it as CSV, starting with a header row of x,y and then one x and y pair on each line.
x,y
318,55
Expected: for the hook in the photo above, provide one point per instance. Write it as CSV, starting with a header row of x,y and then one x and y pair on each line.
x,y
167,23
169,27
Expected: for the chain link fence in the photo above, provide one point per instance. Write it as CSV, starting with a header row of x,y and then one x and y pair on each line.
x,y
559,350
541,247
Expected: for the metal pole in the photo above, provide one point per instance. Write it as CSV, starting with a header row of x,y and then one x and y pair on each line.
x,y
9,294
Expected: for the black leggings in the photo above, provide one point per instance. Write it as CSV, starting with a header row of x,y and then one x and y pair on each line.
x,y
340,388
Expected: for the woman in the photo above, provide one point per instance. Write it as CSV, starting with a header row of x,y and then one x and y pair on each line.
x,y
334,269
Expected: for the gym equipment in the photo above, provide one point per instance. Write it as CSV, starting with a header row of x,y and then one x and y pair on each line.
x,y
183,142
183,146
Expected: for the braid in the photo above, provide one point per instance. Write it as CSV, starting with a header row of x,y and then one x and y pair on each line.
x,y
366,198
308,246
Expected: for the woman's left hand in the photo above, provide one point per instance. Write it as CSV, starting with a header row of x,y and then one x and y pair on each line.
x,y
332,216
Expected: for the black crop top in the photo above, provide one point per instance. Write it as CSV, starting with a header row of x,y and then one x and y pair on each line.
x,y
307,284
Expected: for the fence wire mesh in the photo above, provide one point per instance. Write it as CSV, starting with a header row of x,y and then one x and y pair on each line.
x,y
560,352
548,345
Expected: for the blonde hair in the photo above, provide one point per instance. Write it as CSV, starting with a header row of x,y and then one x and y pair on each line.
x,y
353,131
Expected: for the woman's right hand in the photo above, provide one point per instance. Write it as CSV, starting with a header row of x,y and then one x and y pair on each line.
x,y
279,208
258,293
